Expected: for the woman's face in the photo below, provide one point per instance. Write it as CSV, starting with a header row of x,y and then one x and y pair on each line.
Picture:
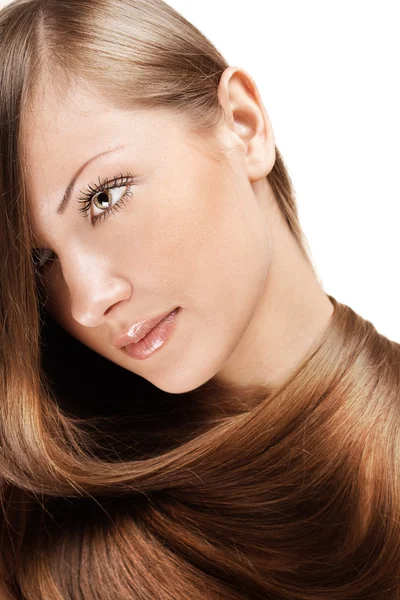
x,y
186,231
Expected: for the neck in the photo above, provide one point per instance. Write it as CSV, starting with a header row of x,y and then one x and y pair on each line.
x,y
290,317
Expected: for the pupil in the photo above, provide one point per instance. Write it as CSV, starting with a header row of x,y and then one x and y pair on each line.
x,y
103,198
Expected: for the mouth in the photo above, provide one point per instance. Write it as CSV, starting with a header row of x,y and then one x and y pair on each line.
x,y
139,330
155,338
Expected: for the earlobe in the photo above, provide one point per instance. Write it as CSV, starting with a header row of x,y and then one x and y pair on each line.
x,y
247,121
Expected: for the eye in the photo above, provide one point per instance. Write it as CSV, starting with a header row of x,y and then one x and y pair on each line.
x,y
105,197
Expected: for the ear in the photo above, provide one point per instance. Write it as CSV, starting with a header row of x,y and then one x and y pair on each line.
x,y
246,121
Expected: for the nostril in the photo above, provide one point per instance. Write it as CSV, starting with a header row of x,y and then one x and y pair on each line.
x,y
108,310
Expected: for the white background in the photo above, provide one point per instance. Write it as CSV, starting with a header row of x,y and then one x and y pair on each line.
x,y
328,73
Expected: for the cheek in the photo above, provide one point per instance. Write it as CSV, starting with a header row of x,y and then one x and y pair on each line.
x,y
214,250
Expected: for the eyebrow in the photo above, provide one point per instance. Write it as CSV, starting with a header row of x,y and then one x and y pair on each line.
x,y
67,196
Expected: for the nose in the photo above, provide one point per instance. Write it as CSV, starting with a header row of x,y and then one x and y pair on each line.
x,y
95,287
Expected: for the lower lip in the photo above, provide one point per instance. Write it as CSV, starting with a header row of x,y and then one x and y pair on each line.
x,y
155,339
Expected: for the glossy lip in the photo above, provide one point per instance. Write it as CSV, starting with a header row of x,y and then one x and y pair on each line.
x,y
155,340
139,330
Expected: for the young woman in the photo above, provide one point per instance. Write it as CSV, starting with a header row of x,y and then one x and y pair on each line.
x,y
185,412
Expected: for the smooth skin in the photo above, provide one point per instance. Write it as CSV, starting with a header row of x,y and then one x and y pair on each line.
x,y
200,229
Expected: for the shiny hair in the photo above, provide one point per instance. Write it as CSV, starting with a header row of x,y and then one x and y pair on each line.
x,y
125,491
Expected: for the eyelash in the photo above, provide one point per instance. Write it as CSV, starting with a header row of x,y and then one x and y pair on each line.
x,y
87,197
102,186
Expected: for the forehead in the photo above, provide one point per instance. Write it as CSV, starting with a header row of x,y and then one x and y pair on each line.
x,y
61,129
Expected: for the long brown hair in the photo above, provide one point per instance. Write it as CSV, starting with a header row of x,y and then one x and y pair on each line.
x,y
124,491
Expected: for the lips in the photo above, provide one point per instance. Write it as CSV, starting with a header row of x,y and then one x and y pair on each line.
x,y
138,330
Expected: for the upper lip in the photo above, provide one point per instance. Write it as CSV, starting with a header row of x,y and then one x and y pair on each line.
x,y
138,330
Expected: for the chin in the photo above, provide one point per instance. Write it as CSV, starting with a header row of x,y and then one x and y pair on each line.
x,y
180,380
178,385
